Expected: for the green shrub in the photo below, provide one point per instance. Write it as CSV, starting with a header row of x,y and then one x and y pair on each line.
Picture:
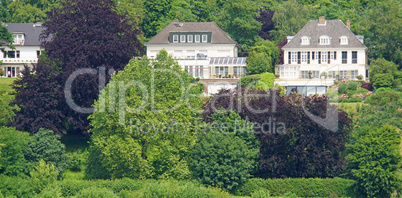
x,y
96,192
222,160
383,80
352,85
15,186
47,146
43,176
249,80
373,160
312,187
343,88
50,192
261,193
385,99
172,189
14,149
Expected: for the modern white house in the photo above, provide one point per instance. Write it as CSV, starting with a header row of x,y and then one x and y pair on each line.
x,y
27,48
322,51
204,50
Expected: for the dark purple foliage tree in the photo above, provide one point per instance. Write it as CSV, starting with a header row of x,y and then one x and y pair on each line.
x,y
292,144
281,59
267,24
81,34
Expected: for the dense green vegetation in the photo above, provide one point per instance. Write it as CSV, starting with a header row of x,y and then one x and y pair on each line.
x,y
144,140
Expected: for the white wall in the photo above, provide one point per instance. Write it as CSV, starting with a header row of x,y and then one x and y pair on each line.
x,y
212,50
27,55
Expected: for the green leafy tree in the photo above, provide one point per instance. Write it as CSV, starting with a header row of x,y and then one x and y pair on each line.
x,y
15,146
222,160
6,97
164,135
270,49
47,146
239,22
44,175
373,161
289,18
384,73
258,63
6,36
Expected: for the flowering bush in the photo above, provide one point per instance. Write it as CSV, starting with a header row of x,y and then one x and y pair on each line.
x,y
369,93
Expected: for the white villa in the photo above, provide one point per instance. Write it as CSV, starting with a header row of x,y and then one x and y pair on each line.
x,y
320,52
204,50
27,48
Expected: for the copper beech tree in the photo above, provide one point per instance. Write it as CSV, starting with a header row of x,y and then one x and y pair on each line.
x,y
78,34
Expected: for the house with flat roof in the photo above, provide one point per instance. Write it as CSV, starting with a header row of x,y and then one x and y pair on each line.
x,y
27,48
204,50
320,53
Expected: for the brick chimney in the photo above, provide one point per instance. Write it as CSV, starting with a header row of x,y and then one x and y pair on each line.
x,y
321,20
348,23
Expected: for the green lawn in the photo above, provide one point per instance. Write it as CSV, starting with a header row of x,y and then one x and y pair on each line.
x,y
6,81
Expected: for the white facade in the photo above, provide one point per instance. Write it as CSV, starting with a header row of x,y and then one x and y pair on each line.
x,y
320,54
202,49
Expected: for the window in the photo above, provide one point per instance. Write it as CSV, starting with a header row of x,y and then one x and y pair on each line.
x,y
317,56
305,41
239,71
195,71
287,72
344,40
11,54
182,38
342,74
354,57
332,56
304,57
324,40
344,57
38,53
190,38
221,72
294,57
175,38
315,74
204,38
190,54
324,57
353,74
18,39
197,38
304,74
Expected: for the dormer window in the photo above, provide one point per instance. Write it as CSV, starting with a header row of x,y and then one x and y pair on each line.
x,y
305,40
197,38
182,38
18,39
324,40
204,38
175,38
344,40
190,38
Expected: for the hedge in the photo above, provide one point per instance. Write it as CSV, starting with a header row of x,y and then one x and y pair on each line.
x,y
264,81
312,187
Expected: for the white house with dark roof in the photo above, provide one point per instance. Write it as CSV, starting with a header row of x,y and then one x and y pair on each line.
x,y
27,48
204,50
322,51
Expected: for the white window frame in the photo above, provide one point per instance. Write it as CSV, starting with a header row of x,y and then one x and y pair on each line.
x,y
304,57
189,38
344,40
175,38
197,38
353,74
204,38
287,71
316,56
324,57
182,38
18,39
305,41
293,57
332,55
325,40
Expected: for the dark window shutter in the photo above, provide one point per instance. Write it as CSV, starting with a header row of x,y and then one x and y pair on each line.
x,y
298,57
289,57
308,57
319,57
335,55
312,55
329,57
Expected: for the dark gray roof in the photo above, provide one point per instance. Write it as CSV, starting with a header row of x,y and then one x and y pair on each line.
x,y
31,32
218,35
333,28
